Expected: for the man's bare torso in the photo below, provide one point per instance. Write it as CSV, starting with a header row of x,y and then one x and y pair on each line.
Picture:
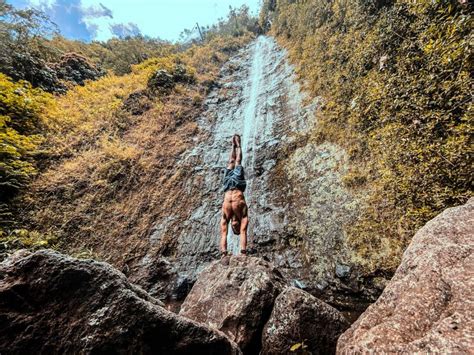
x,y
234,204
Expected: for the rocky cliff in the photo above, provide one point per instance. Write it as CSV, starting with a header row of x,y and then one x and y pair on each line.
x,y
298,204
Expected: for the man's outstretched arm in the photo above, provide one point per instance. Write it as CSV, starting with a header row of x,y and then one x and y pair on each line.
x,y
223,242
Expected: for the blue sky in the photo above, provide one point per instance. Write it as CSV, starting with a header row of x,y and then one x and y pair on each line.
x,y
93,19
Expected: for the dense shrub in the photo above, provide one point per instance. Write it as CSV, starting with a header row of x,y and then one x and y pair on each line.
x,y
117,54
76,69
21,107
396,78
238,23
23,51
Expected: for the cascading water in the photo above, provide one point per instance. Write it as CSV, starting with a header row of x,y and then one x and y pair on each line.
x,y
256,120
258,97
297,202
251,120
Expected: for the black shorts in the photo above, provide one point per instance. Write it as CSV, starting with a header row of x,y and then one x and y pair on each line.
x,y
234,179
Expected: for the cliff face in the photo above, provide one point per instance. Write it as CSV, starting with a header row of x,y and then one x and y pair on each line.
x,y
298,206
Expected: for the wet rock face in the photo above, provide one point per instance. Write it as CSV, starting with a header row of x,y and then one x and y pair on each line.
x,y
300,318
428,305
235,295
51,303
298,205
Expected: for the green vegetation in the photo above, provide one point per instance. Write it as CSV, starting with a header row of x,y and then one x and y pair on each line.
x,y
23,49
32,49
116,55
396,81
239,22
21,107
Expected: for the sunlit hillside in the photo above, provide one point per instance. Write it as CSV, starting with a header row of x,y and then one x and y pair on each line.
x,y
88,170
396,78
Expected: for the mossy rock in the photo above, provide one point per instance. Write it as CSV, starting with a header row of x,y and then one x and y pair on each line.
x,y
161,81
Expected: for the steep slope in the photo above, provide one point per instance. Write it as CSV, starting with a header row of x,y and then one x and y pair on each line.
x,y
297,204
107,162
396,82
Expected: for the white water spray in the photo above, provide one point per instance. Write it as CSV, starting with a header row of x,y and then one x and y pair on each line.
x,y
251,119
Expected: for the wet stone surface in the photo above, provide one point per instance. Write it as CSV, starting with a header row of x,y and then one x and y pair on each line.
x,y
297,203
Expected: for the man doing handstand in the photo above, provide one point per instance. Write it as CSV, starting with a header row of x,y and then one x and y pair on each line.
x,y
234,208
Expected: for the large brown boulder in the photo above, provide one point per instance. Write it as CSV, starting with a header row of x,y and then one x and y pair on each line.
x,y
51,303
428,305
236,296
302,321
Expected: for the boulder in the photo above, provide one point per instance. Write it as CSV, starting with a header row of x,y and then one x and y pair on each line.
x,y
301,321
51,303
158,276
428,305
161,81
235,295
76,69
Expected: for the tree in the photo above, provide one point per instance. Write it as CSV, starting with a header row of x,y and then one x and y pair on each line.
x,y
23,51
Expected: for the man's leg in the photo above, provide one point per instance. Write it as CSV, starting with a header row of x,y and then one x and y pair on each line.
x,y
238,149
233,156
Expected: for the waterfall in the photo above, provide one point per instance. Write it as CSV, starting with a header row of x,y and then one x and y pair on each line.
x,y
250,121
298,204
257,96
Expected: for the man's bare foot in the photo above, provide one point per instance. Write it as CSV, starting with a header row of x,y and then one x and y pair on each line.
x,y
237,140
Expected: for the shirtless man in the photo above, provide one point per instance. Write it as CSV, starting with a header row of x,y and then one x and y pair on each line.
x,y
234,208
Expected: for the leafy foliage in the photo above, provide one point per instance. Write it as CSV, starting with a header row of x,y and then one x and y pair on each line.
x,y
396,79
32,49
23,51
21,107
238,23
117,54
